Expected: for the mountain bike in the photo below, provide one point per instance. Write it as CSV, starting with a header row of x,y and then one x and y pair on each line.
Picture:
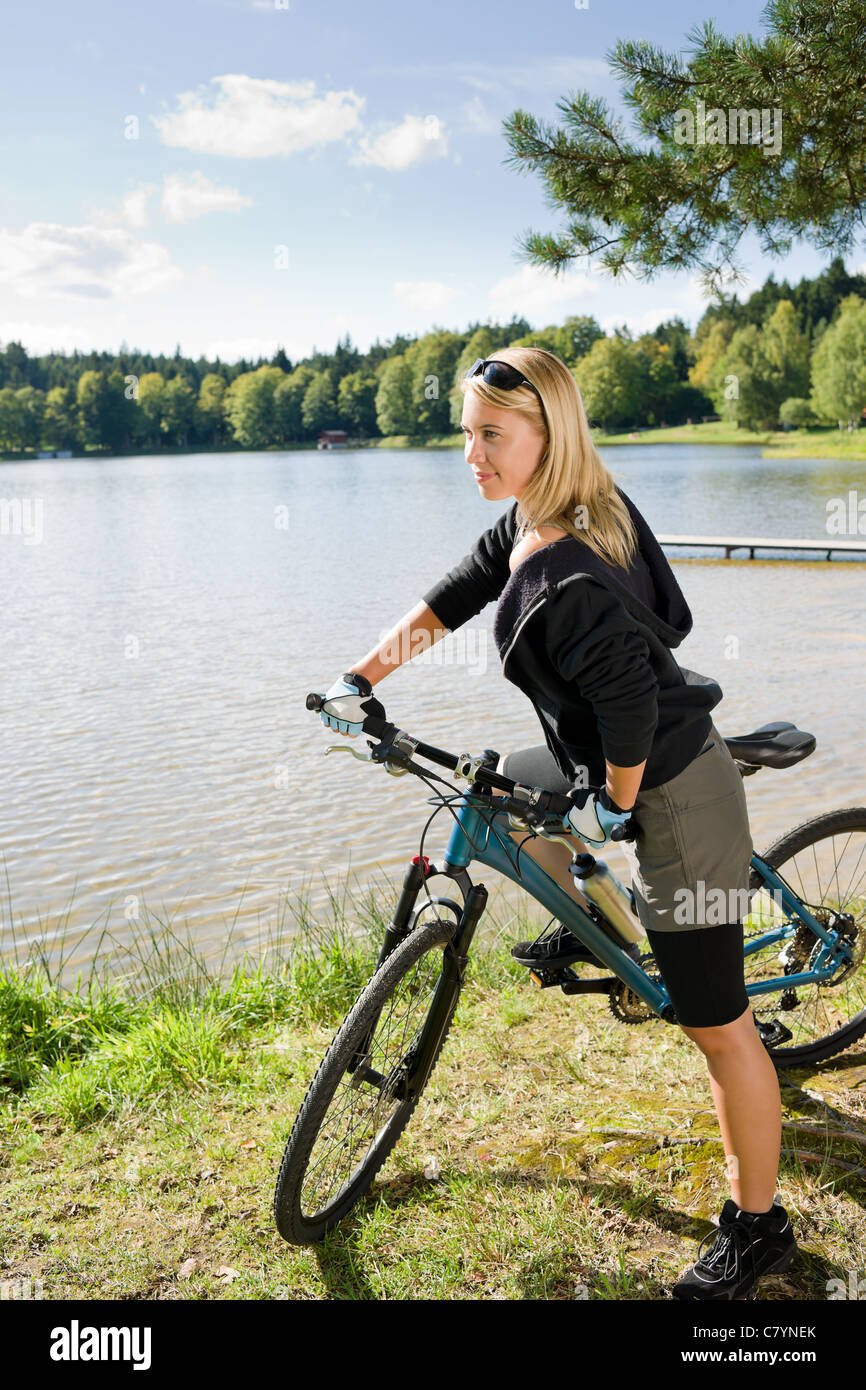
x,y
805,936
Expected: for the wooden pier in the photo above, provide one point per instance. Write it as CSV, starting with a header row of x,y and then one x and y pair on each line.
x,y
753,543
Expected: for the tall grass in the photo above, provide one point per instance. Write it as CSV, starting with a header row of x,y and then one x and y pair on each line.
x,y
156,1012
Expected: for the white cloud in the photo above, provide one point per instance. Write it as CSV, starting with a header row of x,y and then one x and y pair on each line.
x,y
424,294
534,291
411,142
42,338
89,262
233,349
186,196
254,118
478,118
133,206
537,75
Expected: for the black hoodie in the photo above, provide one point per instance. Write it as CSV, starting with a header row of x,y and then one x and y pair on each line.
x,y
590,644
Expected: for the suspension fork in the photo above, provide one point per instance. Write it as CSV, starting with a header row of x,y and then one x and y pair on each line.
x,y
454,960
395,931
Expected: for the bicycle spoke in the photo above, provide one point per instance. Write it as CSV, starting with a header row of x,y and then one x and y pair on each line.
x,y
817,873
360,1110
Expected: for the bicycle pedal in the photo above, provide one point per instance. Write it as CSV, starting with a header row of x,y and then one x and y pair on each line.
x,y
772,1034
548,979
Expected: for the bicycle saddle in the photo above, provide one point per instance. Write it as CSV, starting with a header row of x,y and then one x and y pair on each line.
x,y
773,745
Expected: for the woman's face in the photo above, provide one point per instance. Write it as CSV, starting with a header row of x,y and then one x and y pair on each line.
x,y
502,448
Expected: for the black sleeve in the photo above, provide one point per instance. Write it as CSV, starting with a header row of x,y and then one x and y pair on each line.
x,y
593,641
478,579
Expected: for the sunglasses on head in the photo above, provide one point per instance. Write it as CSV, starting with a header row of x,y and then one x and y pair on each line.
x,y
500,374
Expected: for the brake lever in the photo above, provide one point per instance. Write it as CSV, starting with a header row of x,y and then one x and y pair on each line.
x,y
518,823
344,748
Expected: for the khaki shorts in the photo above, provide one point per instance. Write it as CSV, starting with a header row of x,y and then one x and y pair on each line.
x,y
690,862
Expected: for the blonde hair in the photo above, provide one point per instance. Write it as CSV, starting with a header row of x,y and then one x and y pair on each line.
x,y
571,488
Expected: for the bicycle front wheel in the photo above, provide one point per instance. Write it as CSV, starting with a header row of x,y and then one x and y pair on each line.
x,y
360,1099
824,862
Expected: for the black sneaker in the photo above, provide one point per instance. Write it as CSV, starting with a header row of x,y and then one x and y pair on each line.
x,y
744,1248
554,950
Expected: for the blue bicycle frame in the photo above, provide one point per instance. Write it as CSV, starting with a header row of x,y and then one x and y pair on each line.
x,y
473,838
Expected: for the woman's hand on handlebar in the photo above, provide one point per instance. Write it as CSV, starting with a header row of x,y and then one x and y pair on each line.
x,y
348,703
595,817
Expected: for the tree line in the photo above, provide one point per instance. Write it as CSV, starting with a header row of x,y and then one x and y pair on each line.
x,y
789,355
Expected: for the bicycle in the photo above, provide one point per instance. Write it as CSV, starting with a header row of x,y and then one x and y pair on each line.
x,y
370,1079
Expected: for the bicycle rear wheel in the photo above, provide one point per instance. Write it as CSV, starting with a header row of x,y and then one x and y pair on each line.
x,y
360,1099
824,862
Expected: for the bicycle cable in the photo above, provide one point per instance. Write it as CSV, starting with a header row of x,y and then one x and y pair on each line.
x,y
444,803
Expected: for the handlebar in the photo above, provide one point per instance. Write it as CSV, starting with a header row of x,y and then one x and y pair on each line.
x,y
535,805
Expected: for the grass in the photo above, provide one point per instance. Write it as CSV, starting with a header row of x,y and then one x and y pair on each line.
x,y
813,443
827,442
143,1116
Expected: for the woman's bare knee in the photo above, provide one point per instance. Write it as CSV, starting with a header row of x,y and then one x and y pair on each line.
x,y
724,1036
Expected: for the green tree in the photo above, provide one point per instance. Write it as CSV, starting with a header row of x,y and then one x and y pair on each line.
x,y
575,337
151,402
60,426
433,360
797,412
249,406
609,378
179,409
319,406
209,407
93,397
787,351
356,402
679,201
710,350
395,407
32,415
839,365
288,403
13,421
741,383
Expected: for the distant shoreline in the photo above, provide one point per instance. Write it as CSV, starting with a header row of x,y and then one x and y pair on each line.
x,y
816,443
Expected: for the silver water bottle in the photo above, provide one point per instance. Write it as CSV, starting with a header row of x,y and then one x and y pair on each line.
x,y
595,881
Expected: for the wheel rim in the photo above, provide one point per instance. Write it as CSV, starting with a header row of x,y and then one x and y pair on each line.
x,y
369,1099
829,876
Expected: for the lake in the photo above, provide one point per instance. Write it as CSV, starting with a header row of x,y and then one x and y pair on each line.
x,y
164,625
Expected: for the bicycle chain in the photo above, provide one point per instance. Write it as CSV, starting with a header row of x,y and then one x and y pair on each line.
x,y
625,1005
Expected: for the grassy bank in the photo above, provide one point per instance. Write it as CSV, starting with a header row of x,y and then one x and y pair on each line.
x,y
816,443
142,1126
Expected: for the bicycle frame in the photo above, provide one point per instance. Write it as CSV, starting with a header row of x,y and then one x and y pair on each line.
x,y
472,838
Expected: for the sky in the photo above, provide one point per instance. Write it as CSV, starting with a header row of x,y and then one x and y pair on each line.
x,y
231,176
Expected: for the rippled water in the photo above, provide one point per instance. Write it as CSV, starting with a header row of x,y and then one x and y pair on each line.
x,y
159,639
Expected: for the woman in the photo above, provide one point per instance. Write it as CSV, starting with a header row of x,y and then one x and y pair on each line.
x,y
588,611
